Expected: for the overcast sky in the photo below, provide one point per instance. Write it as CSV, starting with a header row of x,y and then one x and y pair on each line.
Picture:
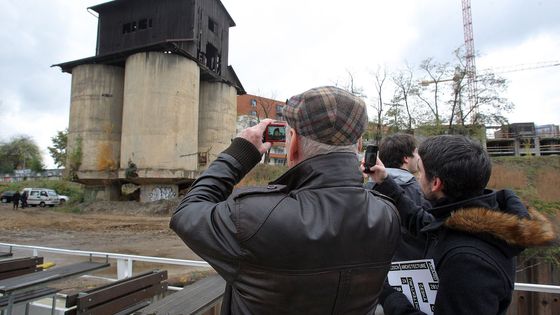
x,y
281,48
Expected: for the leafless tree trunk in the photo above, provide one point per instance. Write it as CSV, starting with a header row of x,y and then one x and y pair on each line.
x,y
380,75
403,81
436,72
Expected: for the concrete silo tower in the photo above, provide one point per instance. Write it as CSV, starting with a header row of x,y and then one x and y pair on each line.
x,y
157,102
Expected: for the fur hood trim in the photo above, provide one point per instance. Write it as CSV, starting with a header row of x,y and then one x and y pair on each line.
x,y
526,232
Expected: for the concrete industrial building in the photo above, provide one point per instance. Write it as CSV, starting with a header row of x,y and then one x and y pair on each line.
x,y
525,139
157,102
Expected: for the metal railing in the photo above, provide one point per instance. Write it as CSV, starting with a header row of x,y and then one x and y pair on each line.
x,y
125,263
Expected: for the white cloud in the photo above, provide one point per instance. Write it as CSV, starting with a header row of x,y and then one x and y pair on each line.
x,y
282,48
533,90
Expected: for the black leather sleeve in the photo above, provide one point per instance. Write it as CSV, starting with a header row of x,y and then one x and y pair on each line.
x,y
413,217
205,220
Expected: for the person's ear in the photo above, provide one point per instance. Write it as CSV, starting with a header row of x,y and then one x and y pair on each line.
x,y
293,149
360,144
406,160
437,185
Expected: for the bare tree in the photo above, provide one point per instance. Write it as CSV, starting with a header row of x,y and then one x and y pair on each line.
x,y
437,73
405,87
489,106
265,108
380,75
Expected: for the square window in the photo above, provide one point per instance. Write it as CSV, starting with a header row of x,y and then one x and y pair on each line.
x,y
212,25
126,28
143,24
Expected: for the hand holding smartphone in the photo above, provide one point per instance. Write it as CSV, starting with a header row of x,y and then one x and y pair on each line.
x,y
370,157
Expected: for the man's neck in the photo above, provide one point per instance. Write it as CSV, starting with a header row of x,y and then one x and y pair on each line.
x,y
404,167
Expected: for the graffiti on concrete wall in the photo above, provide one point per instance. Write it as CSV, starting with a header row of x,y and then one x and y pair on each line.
x,y
162,192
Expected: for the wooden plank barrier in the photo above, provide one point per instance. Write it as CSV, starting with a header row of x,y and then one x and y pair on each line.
x,y
123,296
202,297
19,266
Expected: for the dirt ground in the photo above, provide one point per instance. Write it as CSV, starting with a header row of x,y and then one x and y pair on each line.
x,y
116,227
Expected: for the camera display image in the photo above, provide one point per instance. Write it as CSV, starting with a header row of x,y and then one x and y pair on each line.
x,y
275,133
370,157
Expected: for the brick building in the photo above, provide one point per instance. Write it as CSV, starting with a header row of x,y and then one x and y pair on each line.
x,y
251,109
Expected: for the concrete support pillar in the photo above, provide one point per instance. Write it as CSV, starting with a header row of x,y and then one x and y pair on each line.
x,y
517,147
537,141
160,114
95,121
108,192
217,120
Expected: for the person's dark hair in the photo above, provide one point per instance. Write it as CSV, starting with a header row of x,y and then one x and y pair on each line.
x,y
395,148
461,163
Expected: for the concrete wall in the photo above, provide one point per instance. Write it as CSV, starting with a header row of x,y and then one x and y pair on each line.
x,y
95,118
150,193
160,114
217,118
106,192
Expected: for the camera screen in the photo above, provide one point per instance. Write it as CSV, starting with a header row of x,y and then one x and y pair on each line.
x,y
275,133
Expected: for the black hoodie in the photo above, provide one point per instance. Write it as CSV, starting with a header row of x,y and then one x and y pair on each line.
x,y
474,243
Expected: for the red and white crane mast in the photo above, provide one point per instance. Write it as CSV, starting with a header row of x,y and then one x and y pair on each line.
x,y
470,56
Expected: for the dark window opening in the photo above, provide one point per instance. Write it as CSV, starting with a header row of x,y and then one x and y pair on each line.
x,y
133,26
143,24
212,58
212,25
253,102
126,28
202,158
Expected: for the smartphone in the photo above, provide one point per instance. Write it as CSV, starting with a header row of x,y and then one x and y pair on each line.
x,y
275,132
370,157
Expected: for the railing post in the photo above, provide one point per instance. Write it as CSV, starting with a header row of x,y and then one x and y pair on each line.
x,y
124,268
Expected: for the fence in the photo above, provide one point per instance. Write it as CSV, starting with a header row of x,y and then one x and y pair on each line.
x,y
545,299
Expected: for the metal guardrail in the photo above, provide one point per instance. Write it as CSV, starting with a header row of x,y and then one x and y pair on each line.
x,y
124,262
128,260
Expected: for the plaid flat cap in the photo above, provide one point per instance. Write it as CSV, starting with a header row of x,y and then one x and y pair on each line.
x,y
328,115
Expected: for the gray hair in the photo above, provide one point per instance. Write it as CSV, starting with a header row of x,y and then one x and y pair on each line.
x,y
310,148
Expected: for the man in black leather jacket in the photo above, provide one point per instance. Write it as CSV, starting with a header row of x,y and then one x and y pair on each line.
x,y
313,241
473,234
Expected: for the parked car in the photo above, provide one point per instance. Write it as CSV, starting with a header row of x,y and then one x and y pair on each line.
x,y
7,196
41,197
63,199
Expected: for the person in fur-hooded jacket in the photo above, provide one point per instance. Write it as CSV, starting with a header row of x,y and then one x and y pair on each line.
x,y
474,234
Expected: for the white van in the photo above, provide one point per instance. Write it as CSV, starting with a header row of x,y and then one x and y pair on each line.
x,y
41,197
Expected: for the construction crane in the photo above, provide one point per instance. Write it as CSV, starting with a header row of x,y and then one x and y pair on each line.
x,y
501,70
470,69
521,67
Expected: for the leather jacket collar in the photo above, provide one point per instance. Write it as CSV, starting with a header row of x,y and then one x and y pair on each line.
x,y
331,169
